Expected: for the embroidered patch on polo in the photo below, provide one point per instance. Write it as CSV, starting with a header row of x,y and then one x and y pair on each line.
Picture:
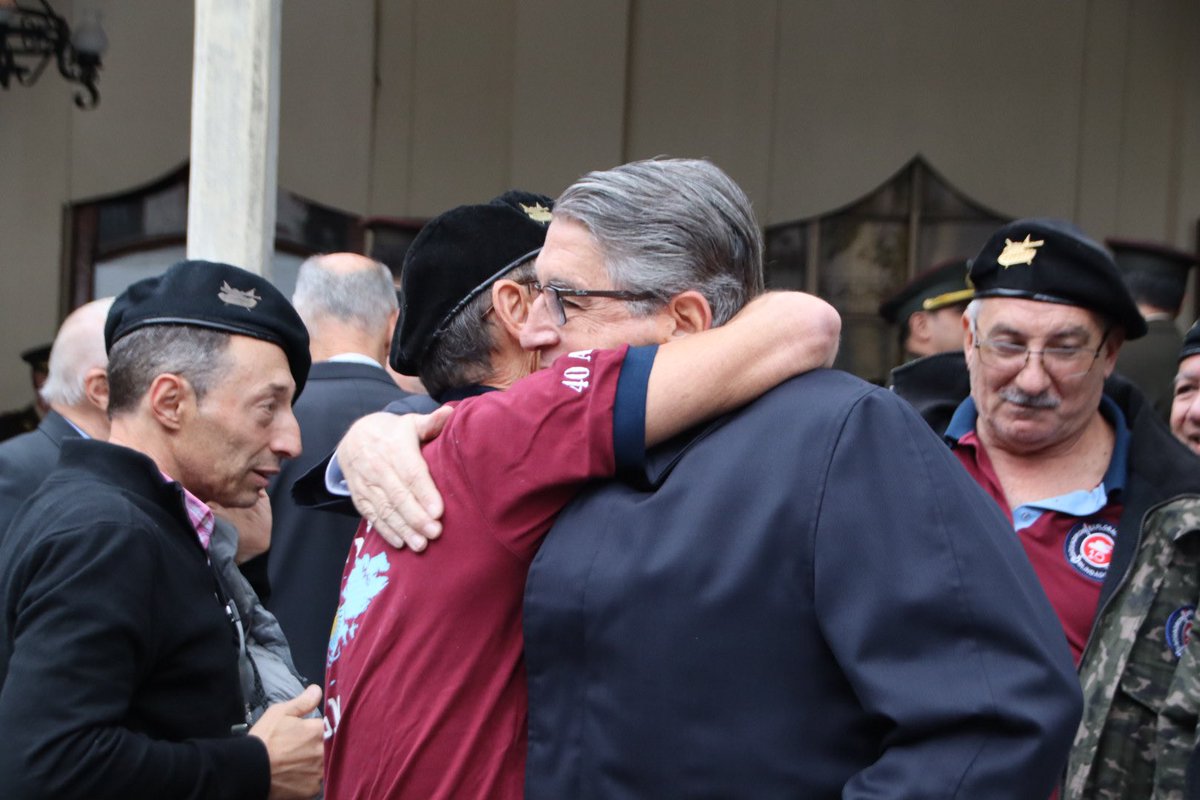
x,y
1179,629
1089,548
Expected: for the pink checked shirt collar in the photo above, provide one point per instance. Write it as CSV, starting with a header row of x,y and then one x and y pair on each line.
x,y
200,515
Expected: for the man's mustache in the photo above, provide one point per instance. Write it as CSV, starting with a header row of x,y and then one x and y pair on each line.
x,y
1020,398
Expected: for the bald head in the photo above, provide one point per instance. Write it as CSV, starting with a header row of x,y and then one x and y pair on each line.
x,y
77,386
348,303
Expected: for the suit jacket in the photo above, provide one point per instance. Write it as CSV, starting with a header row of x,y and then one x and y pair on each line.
x,y
14,423
26,460
308,547
780,605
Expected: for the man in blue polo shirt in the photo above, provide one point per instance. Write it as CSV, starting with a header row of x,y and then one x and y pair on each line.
x,y
1101,497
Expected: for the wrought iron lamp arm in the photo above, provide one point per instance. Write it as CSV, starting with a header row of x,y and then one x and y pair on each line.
x,y
41,34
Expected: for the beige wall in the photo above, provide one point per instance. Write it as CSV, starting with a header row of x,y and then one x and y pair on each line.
x,y
34,179
1087,110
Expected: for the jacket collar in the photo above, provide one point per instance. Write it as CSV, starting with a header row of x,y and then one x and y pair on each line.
x,y
661,459
126,469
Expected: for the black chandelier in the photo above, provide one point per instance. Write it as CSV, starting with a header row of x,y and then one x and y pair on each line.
x,y
30,37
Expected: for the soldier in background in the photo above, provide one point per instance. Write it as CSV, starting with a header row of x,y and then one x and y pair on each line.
x,y
929,310
1157,278
23,420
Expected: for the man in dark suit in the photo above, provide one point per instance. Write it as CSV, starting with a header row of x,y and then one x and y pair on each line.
x,y
348,304
77,393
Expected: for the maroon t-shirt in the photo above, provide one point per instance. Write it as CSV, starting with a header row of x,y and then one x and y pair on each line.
x,y
425,682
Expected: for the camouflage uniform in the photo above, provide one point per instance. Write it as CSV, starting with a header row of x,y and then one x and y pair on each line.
x,y
1140,673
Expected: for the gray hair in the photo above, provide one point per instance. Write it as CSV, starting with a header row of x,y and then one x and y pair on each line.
x,y
671,225
972,312
78,347
364,298
462,354
135,360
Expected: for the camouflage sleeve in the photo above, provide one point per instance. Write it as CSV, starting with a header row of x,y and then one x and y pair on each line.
x,y
1141,673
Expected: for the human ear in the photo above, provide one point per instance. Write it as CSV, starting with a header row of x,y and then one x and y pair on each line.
x,y
510,301
1112,347
169,398
968,335
95,388
690,313
390,332
919,325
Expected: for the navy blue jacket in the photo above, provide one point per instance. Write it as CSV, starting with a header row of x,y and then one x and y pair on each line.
x,y
309,490
809,598
26,460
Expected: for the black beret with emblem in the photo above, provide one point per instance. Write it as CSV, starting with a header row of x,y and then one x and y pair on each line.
x,y
937,287
38,358
457,256
206,294
1052,261
1191,342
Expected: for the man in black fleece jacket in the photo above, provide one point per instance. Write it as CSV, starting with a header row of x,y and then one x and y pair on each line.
x,y
118,661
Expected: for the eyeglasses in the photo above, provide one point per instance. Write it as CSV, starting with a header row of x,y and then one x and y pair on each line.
x,y
554,297
1059,362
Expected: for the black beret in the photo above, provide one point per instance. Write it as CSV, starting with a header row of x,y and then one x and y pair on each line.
x,y
1054,262
205,294
937,287
1191,342
454,258
37,358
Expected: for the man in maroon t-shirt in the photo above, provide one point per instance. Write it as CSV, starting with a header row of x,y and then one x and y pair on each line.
x,y
426,693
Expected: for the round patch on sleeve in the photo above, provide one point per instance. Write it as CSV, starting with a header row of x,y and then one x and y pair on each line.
x,y
1179,629
1089,548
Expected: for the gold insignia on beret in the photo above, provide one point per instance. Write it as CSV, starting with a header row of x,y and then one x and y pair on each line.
x,y
947,299
236,297
1019,252
536,212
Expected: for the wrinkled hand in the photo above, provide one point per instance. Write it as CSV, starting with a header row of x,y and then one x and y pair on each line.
x,y
253,526
295,746
389,482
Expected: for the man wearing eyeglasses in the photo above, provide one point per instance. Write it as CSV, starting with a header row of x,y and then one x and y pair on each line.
x,y
1103,500
781,603
426,685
